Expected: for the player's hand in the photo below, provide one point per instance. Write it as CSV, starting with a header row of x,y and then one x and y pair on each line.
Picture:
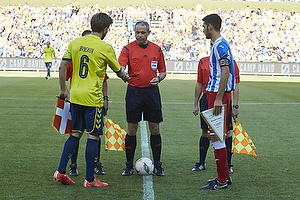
x,y
217,107
125,77
196,110
63,95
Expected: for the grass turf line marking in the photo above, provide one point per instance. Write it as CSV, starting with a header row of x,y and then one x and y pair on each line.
x,y
147,180
167,103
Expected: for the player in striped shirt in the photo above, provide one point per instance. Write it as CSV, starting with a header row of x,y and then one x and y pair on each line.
x,y
221,83
200,88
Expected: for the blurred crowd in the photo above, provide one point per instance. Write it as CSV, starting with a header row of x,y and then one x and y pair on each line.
x,y
255,35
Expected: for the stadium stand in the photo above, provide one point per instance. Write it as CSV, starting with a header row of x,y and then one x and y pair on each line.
x,y
255,35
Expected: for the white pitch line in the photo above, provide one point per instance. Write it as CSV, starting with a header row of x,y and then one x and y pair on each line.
x,y
147,180
166,103
144,140
240,103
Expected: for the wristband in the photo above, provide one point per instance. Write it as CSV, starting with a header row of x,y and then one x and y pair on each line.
x,y
105,98
159,79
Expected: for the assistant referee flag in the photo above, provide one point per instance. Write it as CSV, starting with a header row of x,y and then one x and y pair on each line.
x,y
114,135
241,141
62,120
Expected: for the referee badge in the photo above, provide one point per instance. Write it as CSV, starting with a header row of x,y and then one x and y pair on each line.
x,y
153,65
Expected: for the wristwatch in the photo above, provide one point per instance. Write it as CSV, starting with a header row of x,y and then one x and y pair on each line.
x,y
236,106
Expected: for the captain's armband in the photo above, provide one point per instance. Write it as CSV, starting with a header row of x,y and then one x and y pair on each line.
x,y
224,62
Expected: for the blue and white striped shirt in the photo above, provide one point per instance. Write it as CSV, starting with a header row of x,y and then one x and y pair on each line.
x,y
220,52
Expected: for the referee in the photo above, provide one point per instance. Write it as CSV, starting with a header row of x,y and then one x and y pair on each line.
x,y
146,68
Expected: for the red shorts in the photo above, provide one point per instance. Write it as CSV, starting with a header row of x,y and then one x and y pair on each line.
x,y
211,97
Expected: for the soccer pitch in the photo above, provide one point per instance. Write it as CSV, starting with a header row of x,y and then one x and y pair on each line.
x,y
30,148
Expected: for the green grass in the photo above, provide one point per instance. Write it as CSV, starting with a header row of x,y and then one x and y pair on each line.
x,y
30,148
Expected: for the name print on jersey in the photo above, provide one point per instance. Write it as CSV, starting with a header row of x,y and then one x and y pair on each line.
x,y
86,49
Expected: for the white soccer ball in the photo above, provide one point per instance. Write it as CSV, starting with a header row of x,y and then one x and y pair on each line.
x,y
144,166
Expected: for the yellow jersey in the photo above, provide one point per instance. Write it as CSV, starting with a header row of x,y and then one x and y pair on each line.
x,y
48,51
90,56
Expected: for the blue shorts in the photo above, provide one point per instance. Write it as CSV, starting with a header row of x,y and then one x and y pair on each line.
x,y
89,118
203,106
48,64
143,100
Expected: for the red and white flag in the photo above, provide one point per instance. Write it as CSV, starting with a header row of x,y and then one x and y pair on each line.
x,y
62,121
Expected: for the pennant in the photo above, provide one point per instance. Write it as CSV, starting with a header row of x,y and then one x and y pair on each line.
x,y
241,141
114,136
215,122
62,120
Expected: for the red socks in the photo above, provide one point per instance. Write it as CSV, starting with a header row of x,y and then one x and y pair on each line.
x,y
222,165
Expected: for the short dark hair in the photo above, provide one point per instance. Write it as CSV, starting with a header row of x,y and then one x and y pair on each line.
x,y
143,23
100,21
213,19
86,32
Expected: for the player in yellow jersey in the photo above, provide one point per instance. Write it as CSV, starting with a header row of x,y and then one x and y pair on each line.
x,y
90,56
48,51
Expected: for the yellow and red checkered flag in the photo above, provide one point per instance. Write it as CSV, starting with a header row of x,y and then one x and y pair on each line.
x,y
241,141
114,135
